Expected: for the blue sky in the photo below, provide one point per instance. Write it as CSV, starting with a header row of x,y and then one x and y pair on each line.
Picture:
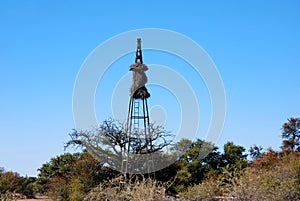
x,y
254,44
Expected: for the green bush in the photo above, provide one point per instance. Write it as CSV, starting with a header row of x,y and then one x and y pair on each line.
x,y
10,182
76,190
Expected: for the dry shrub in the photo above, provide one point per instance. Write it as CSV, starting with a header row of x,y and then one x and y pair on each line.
x,y
210,189
274,177
58,189
9,196
146,189
279,180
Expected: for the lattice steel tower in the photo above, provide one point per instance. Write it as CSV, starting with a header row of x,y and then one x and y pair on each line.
x,y
138,126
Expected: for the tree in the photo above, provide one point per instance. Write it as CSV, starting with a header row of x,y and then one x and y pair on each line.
x,y
54,176
10,182
198,159
234,156
291,134
2,170
59,166
110,141
86,173
28,187
255,151
233,153
67,176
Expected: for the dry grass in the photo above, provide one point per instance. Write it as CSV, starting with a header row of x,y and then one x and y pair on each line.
x,y
38,198
147,189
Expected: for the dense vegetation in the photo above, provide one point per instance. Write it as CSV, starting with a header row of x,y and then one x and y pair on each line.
x,y
222,174
13,185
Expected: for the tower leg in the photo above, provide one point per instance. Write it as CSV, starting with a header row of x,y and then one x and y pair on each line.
x,y
136,115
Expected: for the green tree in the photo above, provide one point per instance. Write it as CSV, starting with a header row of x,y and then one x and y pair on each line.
x,y
233,153
87,173
27,187
2,170
54,176
69,175
58,166
291,134
10,182
198,159
255,151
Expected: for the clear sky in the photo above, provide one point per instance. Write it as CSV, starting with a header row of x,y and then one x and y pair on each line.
x,y
254,44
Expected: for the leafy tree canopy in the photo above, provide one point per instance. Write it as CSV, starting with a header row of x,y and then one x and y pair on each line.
x,y
291,134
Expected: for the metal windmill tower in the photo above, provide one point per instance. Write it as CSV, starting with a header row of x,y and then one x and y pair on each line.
x,y
138,126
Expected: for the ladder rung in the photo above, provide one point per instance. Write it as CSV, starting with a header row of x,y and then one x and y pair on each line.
x,y
138,117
